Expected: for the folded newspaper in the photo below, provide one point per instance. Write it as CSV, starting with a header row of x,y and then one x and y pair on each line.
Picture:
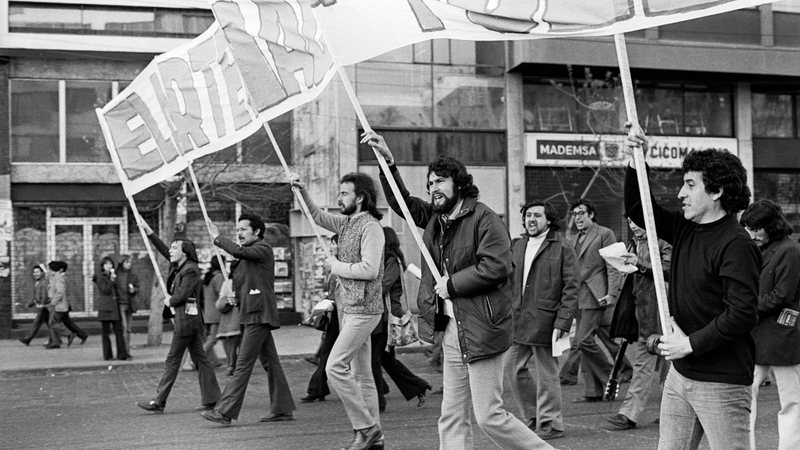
x,y
617,255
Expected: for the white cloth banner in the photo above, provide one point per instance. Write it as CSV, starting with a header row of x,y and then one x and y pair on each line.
x,y
266,57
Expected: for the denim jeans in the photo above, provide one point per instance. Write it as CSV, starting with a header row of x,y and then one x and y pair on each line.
x,y
690,408
787,378
477,388
349,369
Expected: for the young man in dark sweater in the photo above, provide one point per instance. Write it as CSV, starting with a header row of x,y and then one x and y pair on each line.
x,y
712,300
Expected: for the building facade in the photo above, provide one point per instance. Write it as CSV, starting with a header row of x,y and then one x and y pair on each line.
x,y
531,119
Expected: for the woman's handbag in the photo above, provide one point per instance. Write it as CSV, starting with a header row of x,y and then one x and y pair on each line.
x,y
321,315
402,330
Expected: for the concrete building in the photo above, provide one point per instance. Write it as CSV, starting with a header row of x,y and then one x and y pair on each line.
x,y
531,119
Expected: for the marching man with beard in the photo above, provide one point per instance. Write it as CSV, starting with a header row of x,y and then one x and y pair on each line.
x,y
359,300
471,304
545,292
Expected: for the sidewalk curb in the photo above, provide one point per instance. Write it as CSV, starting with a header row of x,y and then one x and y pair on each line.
x,y
124,366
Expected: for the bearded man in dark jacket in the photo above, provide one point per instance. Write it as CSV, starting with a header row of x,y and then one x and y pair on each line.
x,y
471,302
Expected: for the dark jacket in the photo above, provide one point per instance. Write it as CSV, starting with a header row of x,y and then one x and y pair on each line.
x,y
107,304
475,248
183,283
253,281
124,278
393,284
546,299
596,277
778,288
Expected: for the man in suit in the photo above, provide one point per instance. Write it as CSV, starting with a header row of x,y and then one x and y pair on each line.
x,y
599,285
544,294
183,286
777,342
253,276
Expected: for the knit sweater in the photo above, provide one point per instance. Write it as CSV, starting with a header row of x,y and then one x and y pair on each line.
x,y
713,292
359,265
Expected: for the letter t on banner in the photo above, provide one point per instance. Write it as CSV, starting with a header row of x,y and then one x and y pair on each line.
x,y
644,187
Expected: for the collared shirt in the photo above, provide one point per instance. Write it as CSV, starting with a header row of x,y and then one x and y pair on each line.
x,y
534,244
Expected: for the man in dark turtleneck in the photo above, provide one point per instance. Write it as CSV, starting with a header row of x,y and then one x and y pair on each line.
x,y
713,301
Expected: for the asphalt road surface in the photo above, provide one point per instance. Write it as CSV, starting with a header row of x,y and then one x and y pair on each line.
x,y
95,409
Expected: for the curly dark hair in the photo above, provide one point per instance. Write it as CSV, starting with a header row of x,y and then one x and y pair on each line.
x,y
364,186
447,166
256,223
768,215
550,213
585,202
721,171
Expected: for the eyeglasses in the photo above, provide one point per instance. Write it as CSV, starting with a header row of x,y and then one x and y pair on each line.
x,y
578,213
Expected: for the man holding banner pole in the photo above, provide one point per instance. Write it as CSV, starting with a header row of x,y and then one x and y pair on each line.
x,y
472,304
713,298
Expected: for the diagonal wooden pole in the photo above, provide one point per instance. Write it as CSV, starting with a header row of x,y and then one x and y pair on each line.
x,y
348,87
217,251
297,193
644,187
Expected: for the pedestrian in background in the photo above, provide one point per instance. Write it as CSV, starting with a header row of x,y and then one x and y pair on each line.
x,y
184,288
777,336
127,284
108,310
40,301
229,330
212,281
318,387
410,385
59,305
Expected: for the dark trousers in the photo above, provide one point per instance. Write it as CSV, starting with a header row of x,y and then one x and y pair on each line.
x,y
71,325
209,388
58,326
378,343
409,384
122,348
42,317
257,342
318,384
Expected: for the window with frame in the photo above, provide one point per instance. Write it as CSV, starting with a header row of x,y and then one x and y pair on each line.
x,y
29,17
775,114
54,120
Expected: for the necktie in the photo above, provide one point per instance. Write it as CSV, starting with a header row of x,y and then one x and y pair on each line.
x,y
579,242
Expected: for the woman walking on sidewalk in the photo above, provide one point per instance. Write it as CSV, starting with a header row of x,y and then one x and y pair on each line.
x,y
183,285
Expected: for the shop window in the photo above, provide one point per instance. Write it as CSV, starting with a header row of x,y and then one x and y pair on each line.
x,y
397,95
424,146
463,99
34,121
28,248
85,141
595,106
783,189
24,17
772,115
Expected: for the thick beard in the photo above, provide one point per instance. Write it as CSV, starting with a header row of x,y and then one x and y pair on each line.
x,y
347,210
448,204
539,232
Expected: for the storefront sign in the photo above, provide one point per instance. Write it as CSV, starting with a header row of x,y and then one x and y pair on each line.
x,y
575,150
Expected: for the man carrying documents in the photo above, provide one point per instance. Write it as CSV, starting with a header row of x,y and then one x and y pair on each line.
x,y
544,295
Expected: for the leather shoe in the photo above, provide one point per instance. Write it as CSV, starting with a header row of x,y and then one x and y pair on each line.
x,y
282,417
549,433
216,416
70,339
310,398
209,407
151,406
49,346
365,438
125,358
599,398
620,422
25,341
84,338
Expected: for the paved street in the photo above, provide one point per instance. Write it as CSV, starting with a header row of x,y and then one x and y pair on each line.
x,y
95,409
